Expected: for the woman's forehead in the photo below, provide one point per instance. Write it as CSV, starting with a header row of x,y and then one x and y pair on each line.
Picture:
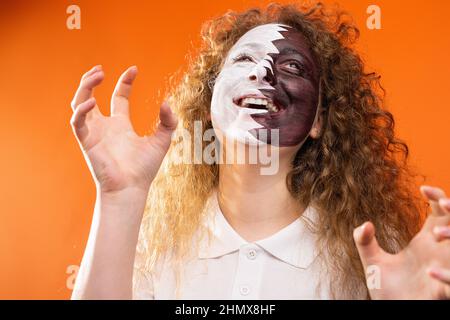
x,y
262,35
270,38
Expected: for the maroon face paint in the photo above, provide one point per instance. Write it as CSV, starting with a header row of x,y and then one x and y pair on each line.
x,y
295,79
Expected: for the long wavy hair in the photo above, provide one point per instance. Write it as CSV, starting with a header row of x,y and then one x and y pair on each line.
x,y
355,171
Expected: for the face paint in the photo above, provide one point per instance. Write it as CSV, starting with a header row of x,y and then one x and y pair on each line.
x,y
269,80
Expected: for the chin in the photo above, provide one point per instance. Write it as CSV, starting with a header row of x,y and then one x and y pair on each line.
x,y
243,137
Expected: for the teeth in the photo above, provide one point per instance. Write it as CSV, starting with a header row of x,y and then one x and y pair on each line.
x,y
263,102
272,107
259,101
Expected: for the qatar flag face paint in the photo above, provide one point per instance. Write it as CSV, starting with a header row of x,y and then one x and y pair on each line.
x,y
269,80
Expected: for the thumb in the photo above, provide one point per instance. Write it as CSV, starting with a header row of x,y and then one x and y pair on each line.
x,y
168,119
167,124
162,137
366,243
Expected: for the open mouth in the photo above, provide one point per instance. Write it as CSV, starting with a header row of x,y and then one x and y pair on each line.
x,y
261,103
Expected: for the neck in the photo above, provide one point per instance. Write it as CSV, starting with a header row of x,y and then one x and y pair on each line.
x,y
256,205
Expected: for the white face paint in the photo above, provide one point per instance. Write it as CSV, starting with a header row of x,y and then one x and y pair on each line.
x,y
234,82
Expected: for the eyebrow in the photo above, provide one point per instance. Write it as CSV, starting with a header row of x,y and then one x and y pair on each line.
x,y
252,45
290,50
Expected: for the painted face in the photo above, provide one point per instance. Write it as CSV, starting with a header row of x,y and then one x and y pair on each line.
x,y
269,80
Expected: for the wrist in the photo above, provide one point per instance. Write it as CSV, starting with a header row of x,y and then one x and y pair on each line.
x,y
122,196
124,206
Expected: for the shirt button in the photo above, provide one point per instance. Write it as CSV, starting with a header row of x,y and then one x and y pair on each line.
x,y
244,290
251,254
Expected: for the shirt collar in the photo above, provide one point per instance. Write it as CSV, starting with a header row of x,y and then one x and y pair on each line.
x,y
294,244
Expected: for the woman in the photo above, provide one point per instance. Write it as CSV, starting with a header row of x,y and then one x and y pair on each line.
x,y
288,78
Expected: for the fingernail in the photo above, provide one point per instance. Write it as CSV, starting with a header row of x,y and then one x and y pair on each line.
x,y
442,231
445,203
425,191
95,73
166,102
435,272
426,188
433,193
359,230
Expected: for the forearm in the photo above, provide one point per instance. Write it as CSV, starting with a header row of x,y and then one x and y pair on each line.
x,y
106,270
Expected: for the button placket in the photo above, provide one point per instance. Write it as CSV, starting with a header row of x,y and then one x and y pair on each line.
x,y
248,273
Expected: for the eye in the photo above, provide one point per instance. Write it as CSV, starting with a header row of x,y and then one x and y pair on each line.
x,y
244,57
294,67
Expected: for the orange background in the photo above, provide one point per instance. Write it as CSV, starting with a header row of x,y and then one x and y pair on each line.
x,y
47,194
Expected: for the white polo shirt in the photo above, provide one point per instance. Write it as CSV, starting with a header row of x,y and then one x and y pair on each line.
x,y
285,265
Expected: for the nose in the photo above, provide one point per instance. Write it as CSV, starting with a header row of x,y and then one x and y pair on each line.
x,y
260,73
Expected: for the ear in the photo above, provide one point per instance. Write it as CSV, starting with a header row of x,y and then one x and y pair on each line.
x,y
318,124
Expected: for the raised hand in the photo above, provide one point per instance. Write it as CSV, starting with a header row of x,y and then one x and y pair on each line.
x,y
117,157
419,271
